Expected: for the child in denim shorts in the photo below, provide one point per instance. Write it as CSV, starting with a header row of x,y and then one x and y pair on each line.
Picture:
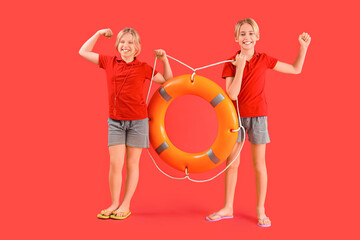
x,y
128,123
245,81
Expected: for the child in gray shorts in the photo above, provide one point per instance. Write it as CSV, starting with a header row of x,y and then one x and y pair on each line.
x,y
245,81
128,123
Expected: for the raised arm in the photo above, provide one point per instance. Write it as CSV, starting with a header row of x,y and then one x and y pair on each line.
x,y
86,49
167,72
233,84
296,67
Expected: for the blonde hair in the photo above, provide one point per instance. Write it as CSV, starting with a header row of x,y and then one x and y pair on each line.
x,y
249,21
136,39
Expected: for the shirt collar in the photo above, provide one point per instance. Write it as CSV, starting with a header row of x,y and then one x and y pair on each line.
x,y
120,60
256,53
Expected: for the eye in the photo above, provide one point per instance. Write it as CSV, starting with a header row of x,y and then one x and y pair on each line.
x,y
251,33
122,41
242,34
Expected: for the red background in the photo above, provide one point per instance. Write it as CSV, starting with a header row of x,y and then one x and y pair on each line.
x,y
54,158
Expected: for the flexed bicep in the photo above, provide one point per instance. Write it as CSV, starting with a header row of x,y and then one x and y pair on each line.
x,y
86,49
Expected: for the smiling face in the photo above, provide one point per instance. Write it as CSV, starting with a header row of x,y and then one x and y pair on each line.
x,y
247,37
128,44
126,47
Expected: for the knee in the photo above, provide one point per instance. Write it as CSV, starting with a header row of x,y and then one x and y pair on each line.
x,y
116,163
259,166
132,164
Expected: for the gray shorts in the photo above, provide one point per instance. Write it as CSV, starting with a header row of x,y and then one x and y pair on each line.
x,y
256,128
132,133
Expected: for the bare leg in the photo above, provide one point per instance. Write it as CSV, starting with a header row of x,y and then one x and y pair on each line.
x,y
117,153
258,155
132,178
230,184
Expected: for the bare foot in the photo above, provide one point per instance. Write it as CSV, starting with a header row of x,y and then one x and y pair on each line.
x,y
263,220
224,212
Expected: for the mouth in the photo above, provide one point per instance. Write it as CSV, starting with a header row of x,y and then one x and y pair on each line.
x,y
125,50
247,42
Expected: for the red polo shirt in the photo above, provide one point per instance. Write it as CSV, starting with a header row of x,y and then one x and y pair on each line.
x,y
125,81
252,101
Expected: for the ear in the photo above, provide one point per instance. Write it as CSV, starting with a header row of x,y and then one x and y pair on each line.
x,y
258,37
236,39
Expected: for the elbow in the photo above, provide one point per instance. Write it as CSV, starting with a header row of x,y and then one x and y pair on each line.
x,y
83,51
232,97
159,79
165,77
297,71
169,77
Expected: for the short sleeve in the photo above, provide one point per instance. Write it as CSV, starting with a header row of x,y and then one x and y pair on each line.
x,y
229,70
104,61
149,71
270,61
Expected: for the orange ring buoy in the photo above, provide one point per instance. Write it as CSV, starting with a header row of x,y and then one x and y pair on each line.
x,y
227,121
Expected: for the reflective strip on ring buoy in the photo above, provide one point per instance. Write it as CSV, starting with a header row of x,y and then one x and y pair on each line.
x,y
225,112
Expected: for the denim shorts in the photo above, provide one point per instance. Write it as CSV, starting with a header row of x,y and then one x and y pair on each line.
x,y
132,133
256,129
